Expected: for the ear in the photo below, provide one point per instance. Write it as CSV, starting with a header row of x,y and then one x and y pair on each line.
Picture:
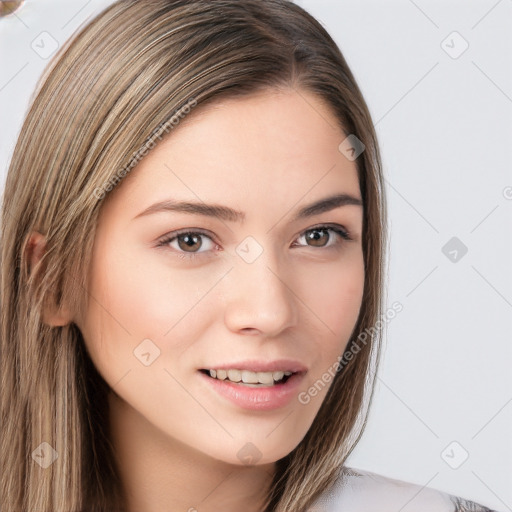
x,y
34,252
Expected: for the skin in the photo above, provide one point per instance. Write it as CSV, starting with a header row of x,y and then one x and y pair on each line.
x,y
267,155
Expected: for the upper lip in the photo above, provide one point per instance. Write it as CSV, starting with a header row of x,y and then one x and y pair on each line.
x,y
286,365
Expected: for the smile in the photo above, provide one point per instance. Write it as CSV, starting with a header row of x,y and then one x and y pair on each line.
x,y
249,378
273,390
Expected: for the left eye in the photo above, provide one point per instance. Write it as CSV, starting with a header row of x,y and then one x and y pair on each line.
x,y
188,243
311,235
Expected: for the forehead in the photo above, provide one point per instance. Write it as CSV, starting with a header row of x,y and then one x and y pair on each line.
x,y
273,146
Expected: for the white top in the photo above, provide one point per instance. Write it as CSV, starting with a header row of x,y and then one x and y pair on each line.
x,y
362,491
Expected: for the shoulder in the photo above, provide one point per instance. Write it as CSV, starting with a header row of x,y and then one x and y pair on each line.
x,y
362,491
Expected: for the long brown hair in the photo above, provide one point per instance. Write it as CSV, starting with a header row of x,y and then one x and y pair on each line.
x,y
100,100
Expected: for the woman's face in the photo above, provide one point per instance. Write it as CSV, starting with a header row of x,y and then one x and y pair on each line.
x,y
260,290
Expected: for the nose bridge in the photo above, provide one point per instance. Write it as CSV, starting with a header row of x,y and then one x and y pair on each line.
x,y
259,295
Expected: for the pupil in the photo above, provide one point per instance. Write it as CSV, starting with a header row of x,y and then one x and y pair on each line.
x,y
313,237
189,241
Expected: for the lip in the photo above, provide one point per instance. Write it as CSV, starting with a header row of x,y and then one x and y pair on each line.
x,y
265,398
286,365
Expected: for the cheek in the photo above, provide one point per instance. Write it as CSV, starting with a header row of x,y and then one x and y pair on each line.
x,y
125,308
333,292
133,302
334,296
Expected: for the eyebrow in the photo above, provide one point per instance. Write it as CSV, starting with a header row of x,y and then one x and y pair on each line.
x,y
229,214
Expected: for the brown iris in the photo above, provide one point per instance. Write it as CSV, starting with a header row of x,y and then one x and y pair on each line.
x,y
189,242
312,236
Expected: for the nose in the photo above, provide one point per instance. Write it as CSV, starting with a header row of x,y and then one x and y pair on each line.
x,y
260,298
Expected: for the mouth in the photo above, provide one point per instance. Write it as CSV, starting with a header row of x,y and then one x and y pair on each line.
x,y
249,378
270,388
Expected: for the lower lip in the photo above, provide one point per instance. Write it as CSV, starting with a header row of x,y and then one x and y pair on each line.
x,y
262,398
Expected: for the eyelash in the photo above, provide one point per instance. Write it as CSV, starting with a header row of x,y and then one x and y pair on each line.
x,y
191,255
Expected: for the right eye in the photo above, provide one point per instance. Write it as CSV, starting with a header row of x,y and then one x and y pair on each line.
x,y
187,242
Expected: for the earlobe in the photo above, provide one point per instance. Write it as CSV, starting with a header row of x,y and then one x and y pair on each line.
x,y
34,252
56,318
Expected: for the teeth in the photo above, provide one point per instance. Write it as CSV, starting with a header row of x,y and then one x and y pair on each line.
x,y
234,375
264,377
278,375
248,377
251,377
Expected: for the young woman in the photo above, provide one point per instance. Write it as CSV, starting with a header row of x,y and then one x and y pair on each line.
x,y
193,234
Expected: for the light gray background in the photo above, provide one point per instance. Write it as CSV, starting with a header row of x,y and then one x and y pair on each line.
x,y
444,123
